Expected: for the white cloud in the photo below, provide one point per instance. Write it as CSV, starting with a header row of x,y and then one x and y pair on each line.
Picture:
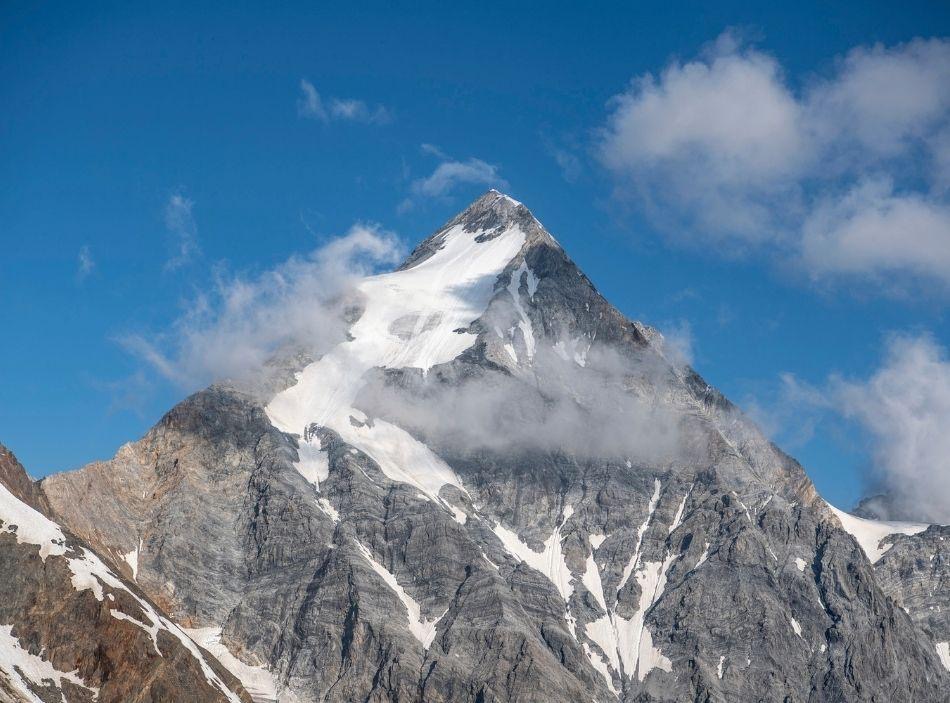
x,y
873,231
902,410
359,111
905,407
448,175
721,135
722,150
240,324
86,264
180,222
883,98
311,105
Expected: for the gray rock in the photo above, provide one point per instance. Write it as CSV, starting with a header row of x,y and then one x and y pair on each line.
x,y
915,573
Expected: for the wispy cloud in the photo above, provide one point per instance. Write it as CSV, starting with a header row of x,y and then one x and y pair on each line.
x,y
85,263
448,175
311,105
180,223
848,176
243,321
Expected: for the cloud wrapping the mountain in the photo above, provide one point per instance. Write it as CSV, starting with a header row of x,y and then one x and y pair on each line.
x,y
610,407
848,175
238,326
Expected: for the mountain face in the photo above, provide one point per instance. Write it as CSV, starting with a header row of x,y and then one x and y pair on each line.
x,y
498,488
73,630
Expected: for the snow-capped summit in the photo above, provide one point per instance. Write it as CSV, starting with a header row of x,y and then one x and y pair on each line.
x,y
486,218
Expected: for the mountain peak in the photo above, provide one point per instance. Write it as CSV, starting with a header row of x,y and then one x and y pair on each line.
x,y
490,215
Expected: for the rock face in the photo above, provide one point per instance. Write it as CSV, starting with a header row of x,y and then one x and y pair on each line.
x,y
73,630
915,572
497,489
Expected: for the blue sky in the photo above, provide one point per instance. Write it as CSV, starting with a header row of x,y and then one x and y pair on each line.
x,y
802,252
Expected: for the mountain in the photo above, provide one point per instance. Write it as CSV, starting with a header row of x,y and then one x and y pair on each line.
x,y
498,488
75,631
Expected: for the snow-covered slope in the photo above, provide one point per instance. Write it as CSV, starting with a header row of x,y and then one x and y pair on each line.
x,y
412,318
872,534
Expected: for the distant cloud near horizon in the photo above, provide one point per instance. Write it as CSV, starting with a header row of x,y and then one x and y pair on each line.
x,y
849,177
449,174
311,105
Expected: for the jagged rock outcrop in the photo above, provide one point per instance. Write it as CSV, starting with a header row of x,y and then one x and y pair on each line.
x,y
497,489
72,630
915,572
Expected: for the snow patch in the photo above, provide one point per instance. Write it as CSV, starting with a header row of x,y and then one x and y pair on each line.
x,y
943,651
870,534
800,563
550,561
722,660
678,518
596,540
591,581
258,681
22,669
634,638
132,559
601,632
576,349
313,463
702,557
628,569
600,664
514,288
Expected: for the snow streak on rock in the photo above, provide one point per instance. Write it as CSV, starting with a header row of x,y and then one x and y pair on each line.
x,y
89,573
422,629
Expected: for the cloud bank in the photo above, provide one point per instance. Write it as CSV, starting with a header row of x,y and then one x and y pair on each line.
x,y
848,175
594,411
